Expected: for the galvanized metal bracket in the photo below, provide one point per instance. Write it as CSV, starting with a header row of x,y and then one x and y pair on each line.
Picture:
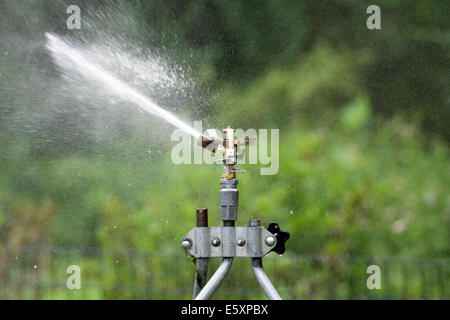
x,y
210,242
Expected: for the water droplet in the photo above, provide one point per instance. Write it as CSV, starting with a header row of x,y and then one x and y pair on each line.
x,y
117,261
114,227
291,212
35,266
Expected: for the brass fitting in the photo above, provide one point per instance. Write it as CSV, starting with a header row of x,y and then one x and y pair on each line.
x,y
229,154
228,147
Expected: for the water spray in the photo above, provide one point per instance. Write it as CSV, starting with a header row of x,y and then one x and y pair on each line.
x,y
202,242
230,241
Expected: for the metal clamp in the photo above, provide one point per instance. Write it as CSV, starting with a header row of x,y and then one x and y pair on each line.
x,y
210,242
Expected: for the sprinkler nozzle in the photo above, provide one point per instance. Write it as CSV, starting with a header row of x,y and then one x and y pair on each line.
x,y
210,144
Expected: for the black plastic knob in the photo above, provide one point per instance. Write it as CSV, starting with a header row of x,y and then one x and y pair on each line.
x,y
281,235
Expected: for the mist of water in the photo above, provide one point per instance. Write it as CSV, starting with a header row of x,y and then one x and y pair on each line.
x,y
73,60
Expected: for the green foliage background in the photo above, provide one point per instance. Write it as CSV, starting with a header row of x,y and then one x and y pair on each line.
x,y
364,164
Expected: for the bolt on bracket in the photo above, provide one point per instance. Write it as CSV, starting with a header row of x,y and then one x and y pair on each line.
x,y
211,242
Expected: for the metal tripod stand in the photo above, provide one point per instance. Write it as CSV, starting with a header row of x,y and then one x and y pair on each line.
x,y
229,241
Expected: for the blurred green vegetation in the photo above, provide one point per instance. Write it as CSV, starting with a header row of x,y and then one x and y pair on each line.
x,y
364,159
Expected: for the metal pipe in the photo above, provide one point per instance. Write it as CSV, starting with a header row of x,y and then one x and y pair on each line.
x,y
263,280
260,275
202,217
216,279
228,223
201,264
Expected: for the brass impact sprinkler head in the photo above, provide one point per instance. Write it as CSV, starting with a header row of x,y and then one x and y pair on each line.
x,y
229,149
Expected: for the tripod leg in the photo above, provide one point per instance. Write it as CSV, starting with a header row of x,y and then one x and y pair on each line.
x,y
201,266
263,280
200,275
215,280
